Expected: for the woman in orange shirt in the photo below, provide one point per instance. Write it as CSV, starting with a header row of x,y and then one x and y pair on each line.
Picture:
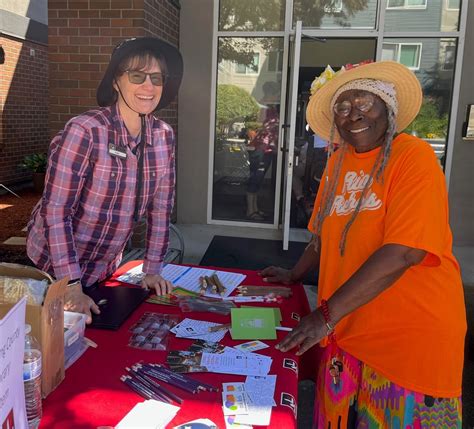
x,y
391,314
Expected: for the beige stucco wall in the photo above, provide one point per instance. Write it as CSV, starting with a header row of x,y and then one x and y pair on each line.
x,y
194,112
461,186
33,9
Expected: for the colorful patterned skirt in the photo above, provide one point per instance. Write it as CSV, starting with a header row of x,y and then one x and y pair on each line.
x,y
365,399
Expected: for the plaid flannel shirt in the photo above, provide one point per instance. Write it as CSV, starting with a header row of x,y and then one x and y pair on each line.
x,y
82,223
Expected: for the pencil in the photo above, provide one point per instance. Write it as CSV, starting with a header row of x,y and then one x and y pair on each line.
x,y
159,389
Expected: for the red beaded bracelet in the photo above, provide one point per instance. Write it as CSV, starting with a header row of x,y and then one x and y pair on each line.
x,y
327,319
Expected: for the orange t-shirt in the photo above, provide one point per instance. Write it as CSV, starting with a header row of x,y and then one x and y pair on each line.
x,y
413,332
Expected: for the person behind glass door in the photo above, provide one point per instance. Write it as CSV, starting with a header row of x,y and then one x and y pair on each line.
x,y
391,315
262,148
106,169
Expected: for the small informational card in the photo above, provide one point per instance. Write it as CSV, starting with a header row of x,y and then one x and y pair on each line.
x,y
236,363
234,403
198,329
233,387
253,323
261,389
258,393
251,346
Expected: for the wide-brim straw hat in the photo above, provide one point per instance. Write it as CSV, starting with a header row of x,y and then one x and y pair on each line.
x,y
320,116
106,94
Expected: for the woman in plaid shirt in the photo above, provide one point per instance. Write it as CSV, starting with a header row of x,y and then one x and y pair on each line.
x,y
107,168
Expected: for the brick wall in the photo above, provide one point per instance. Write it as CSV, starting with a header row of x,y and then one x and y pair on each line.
x,y
82,34
161,19
23,106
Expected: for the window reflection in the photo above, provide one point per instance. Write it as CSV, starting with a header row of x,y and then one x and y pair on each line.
x,y
335,13
247,128
251,15
435,71
422,15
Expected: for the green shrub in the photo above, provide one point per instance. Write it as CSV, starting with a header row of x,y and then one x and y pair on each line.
x,y
36,162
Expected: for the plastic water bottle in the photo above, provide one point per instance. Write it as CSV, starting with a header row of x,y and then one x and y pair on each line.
x,y
32,379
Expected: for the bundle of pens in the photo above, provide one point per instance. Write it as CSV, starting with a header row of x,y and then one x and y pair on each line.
x,y
268,291
214,283
148,388
142,379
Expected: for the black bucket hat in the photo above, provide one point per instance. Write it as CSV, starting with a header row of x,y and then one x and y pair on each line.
x,y
106,94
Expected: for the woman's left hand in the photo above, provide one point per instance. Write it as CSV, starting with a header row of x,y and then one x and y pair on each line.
x,y
310,331
157,283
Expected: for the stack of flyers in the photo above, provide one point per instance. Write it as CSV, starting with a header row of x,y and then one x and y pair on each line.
x,y
198,329
249,403
151,331
228,361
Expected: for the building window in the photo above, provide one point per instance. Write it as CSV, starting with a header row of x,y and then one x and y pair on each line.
x,y
249,68
406,4
334,7
452,4
408,54
449,57
275,61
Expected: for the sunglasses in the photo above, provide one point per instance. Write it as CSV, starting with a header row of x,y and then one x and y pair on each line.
x,y
363,103
138,77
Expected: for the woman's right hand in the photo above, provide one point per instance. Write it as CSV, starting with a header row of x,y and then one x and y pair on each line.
x,y
277,275
76,300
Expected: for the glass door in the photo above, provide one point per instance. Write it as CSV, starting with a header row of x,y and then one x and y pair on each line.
x,y
307,153
247,129
290,130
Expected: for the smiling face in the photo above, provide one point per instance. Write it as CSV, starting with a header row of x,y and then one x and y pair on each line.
x,y
363,128
141,98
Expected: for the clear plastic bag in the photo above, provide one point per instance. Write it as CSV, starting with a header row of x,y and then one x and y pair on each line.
x,y
12,289
191,303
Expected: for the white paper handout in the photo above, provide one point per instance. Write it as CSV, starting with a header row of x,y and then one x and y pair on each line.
x,y
236,363
260,393
149,414
12,346
198,330
257,395
187,278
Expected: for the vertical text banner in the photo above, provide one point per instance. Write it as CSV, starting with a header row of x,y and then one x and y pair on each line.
x,y
12,345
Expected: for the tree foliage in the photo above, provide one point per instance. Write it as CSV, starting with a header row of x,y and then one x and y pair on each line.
x,y
429,123
234,104
269,15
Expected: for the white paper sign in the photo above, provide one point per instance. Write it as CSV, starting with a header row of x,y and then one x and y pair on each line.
x,y
12,345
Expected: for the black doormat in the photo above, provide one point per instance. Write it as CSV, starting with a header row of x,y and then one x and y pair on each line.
x,y
254,254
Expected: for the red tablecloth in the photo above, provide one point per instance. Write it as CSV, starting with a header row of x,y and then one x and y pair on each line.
x,y
93,395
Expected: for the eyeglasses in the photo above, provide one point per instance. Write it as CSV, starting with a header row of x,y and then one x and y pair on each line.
x,y
363,103
138,77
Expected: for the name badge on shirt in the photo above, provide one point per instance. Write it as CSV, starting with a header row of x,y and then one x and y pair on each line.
x,y
117,151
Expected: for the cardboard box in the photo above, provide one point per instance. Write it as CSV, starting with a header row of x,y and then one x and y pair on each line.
x,y
47,322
